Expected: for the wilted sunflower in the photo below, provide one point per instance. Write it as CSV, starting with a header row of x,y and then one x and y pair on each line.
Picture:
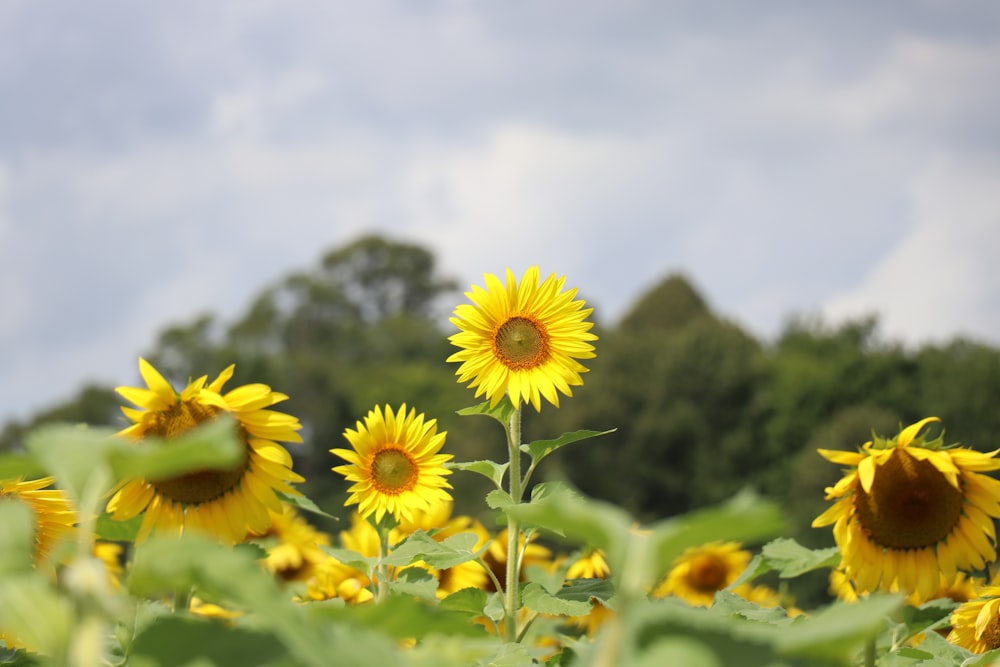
x,y
53,516
975,625
700,572
394,464
227,503
522,339
909,511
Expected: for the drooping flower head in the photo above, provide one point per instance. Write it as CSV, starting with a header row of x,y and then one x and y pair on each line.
x,y
52,513
700,572
394,464
522,339
910,511
227,503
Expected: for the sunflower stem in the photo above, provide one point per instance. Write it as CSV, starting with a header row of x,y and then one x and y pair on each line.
x,y
381,568
870,653
512,598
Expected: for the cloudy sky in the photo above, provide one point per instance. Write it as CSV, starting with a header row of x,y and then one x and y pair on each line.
x,y
158,160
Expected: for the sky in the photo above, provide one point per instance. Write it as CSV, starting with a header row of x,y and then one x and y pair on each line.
x,y
161,160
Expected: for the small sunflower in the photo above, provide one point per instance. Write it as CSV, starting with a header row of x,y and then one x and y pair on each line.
x,y
394,464
532,554
975,625
52,512
523,339
700,572
909,511
294,546
227,503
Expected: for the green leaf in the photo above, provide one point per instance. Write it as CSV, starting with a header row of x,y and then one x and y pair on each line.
x,y
538,599
403,617
449,552
17,538
300,502
510,655
353,559
175,641
676,650
75,455
215,444
502,412
20,466
791,559
539,449
587,589
415,581
498,499
117,531
839,630
489,469
468,601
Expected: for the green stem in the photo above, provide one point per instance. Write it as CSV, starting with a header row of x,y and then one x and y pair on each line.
x,y
511,604
382,570
870,653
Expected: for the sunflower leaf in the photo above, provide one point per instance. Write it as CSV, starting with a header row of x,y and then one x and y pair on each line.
x,y
353,559
107,528
536,598
489,469
449,552
587,589
502,412
417,582
539,449
20,466
76,456
498,499
468,601
303,503
791,559
838,630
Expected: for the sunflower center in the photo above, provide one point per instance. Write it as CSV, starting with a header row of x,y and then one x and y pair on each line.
x,y
707,573
911,504
393,471
521,343
198,486
990,635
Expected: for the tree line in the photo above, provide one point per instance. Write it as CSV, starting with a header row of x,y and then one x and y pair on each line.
x,y
702,408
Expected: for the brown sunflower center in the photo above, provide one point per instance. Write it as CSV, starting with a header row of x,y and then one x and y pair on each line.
x,y
199,486
393,471
911,504
708,573
990,635
521,343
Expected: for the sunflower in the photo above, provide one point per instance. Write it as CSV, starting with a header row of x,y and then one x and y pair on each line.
x,y
700,572
909,511
53,516
975,625
394,464
227,503
495,558
294,546
523,339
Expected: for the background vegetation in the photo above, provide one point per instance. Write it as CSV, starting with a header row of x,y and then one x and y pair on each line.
x,y
702,408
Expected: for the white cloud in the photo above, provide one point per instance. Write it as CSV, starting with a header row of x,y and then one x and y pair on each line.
x,y
940,279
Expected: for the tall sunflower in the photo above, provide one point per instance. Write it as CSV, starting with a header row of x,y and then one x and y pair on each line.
x,y
522,339
53,516
227,503
394,464
909,511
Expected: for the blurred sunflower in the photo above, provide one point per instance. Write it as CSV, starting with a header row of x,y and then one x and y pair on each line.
x,y
700,572
294,546
394,464
909,511
975,625
495,558
53,516
227,503
590,564
522,339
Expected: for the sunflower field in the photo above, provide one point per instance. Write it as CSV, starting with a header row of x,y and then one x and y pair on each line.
x,y
188,537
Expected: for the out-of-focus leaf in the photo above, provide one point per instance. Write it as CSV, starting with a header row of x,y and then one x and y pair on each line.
x,y
839,630
511,655
212,445
117,531
403,616
175,641
20,466
536,598
75,455
353,559
17,536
